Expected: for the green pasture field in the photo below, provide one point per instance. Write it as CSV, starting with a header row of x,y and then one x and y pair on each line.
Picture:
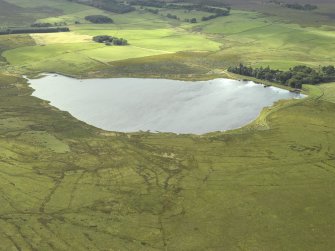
x,y
57,55
65,185
261,41
247,37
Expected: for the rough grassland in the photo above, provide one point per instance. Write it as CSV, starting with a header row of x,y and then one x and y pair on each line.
x,y
22,12
262,41
323,15
67,186
65,6
328,92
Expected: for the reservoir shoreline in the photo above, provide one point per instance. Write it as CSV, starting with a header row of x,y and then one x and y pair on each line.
x,y
159,105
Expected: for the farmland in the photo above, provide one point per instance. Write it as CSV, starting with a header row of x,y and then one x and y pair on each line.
x,y
241,37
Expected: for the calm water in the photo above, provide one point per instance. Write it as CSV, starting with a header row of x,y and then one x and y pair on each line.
x,y
130,105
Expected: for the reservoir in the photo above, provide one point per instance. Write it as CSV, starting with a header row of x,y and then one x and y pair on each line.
x,y
159,105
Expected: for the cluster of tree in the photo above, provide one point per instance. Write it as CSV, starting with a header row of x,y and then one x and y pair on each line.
x,y
297,6
201,6
204,8
109,5
191,20
209,18
172,16
109,40
60,24
99,19
295,77
217,12
221,14
153,11
43,25
301,7
34,30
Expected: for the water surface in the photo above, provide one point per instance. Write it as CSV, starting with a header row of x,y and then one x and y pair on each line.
x,y
158,105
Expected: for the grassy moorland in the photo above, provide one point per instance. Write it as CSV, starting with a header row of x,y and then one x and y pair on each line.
x,y
323,15
68,186
20,12
65,185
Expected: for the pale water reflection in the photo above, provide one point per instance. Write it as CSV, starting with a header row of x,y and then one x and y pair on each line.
x,y
134,104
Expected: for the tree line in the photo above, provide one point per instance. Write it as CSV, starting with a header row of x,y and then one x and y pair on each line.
x,y
34,30
192,20
295,77
99,19
217,14
110,40
216,11
43,25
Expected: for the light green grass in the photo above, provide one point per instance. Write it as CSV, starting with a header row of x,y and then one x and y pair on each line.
x,y
237,22
168,40
262,41
71,18
61,55
328,92
246,37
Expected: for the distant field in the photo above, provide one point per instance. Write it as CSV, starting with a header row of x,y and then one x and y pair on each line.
x,y
66,7
247,37
75,50
20,12
183,14
263,42
322,16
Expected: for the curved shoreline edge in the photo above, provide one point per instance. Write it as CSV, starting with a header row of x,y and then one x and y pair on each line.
x,y
259,123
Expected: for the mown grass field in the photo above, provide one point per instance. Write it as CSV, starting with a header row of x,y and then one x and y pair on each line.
x,y
65,185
